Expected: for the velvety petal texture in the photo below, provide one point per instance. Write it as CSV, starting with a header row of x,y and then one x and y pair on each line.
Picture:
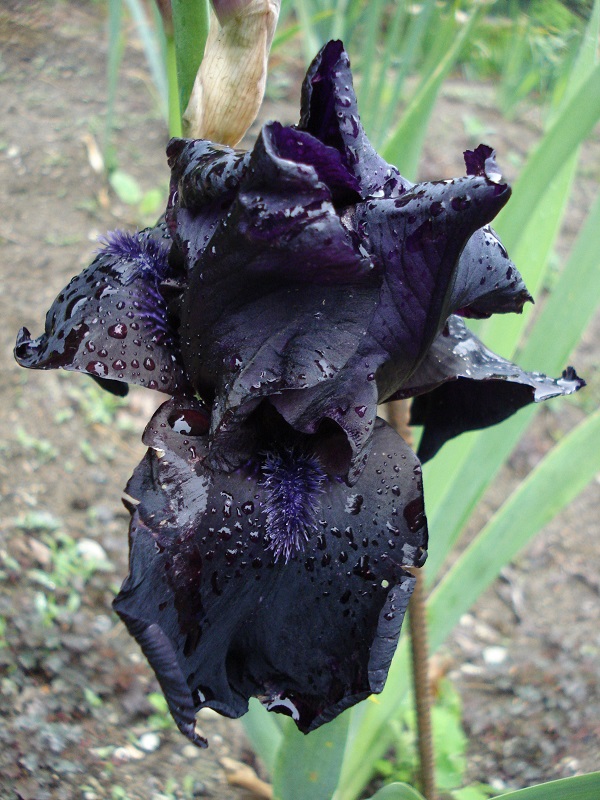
x,y
288,291
224,611
111,321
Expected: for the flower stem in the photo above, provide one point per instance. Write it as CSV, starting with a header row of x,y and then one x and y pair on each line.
x,y
417,619
174,107
398,416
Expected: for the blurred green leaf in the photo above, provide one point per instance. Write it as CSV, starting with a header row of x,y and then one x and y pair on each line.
x,y
264,732
582,787
397,791
308,767
126,187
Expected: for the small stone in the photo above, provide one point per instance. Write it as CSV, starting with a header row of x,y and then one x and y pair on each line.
x,y
191,752
149,742
127,753
91,550
495,655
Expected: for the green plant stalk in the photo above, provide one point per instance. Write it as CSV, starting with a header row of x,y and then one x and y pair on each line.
x,y
190,27
174,109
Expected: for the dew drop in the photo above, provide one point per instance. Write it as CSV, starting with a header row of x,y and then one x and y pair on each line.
x,y
117,331
97,368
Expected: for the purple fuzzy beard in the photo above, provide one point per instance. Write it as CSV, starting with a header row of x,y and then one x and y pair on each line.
x,y
293,482
142,252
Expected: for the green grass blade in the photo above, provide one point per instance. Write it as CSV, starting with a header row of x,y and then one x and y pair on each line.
x,y
409,49
535,245
190,25
310,39
581,787
308,767
151,44
474,459
338,23
373,19
572,303
371,105
535,239
115,55
403,147
587,56
575,123
264,733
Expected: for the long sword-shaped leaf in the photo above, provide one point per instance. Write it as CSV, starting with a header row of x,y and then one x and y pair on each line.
x,y
574,124
551,486
264,732
153,51
405,143
554,483
397,791
308,767
581,787
474,459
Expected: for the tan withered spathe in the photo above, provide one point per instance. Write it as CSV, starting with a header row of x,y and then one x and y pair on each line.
x,y
230,83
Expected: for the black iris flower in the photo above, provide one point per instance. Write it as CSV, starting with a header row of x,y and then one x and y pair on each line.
x,y
286,293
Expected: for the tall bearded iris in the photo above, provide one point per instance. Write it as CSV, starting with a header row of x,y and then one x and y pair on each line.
x,y
287,292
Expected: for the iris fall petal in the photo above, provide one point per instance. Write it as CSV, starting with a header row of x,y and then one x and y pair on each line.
x,y
222,617
111,321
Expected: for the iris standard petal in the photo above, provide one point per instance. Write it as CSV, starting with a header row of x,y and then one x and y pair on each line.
x,y
416,240
223,614
330,113
205,178
281,296
111,321
463,386
486,280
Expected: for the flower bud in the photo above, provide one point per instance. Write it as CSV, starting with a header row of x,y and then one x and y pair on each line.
x,y
230,83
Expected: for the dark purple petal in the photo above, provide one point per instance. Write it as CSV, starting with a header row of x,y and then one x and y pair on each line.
x,y
205,178
330,113
463,386
111,321
223,616
416,240
482,161
280,297
487,282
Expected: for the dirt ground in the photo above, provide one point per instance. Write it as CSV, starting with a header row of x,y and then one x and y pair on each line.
x,y
77,718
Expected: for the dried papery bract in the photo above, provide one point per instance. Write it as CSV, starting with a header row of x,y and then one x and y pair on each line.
x,y
230,83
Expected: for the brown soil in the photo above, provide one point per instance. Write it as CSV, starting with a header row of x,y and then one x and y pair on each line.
x,y
74,710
